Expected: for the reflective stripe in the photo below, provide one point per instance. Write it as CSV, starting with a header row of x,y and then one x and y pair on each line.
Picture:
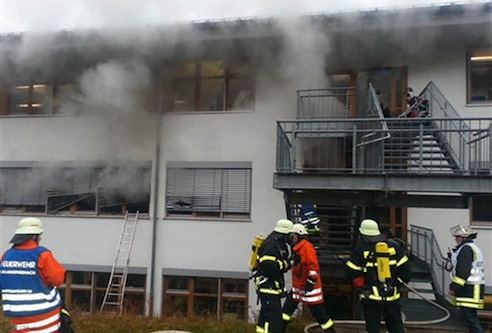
x,y
271,258
260,329
285,317
28,297
354,266
269,291
459,281
327,325
474,302
37,324
313,296
403,260
375,295
32,307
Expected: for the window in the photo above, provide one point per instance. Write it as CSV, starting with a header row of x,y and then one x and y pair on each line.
x,y
205,296
84,291
481,212
480,76
74,190
208,189
212,86
36,99
30,99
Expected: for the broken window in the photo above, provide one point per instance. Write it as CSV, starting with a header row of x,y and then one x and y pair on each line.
x,y
74,190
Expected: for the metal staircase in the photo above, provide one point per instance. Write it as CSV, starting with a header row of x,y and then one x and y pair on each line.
x,y
417,145
429,266
115,291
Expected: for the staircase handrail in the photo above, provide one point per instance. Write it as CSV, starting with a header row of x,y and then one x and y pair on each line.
x,y
430,253
444,109
374,105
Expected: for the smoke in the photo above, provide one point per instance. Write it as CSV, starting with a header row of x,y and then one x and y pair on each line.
x,y
28,15
115,86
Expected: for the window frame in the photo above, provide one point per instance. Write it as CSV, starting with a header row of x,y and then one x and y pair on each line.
x,y
196,78
480,207
217,190
191,295
57,189
470,65
97,289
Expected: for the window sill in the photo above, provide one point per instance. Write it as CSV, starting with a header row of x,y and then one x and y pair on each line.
x,y
479,105
190,218
207,112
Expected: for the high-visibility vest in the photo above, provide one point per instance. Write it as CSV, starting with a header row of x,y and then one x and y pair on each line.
x,y
23,291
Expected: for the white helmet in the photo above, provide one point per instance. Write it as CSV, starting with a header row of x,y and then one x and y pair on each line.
x,y
284,226
461,231
300,229
369,228
30,225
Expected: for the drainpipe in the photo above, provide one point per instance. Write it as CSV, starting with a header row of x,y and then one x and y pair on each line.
x,y
155,209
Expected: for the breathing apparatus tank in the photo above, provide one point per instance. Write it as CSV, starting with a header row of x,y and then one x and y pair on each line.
x,y
253,258
383,266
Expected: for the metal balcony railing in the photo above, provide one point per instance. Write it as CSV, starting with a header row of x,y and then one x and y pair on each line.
x,y
423,245
439,143
418,145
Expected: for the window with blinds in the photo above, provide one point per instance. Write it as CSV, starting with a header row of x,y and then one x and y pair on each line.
x,y
77,190
209,189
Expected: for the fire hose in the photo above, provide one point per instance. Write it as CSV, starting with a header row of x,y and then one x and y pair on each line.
x,y
424,322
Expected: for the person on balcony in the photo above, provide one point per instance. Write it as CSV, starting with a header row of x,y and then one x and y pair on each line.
x,y
377,267
467,286
306,282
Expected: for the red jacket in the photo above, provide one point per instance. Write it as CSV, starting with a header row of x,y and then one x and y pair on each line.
x,y
307,266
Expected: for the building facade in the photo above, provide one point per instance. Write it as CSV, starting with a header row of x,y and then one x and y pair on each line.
x,y
179,124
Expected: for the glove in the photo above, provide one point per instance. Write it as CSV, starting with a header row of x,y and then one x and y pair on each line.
x,y
309,286
295,259
358,282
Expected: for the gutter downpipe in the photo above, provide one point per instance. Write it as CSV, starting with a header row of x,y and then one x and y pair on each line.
x,y
155,208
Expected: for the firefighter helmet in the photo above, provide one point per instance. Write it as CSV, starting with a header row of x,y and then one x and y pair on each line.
x,y
30,225
461,231
300,229
284,226
369,228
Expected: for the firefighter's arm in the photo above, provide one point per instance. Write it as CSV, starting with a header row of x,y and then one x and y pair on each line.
x,y
462,269
51,271
271,266
312,266
403,268
353,267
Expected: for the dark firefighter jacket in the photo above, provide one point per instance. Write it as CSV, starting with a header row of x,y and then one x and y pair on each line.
x,y
467,276
363,262
273,262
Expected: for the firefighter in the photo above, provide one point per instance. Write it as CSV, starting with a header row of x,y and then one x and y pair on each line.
x,y
29,275
273,263
306,282
377,267
467,277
